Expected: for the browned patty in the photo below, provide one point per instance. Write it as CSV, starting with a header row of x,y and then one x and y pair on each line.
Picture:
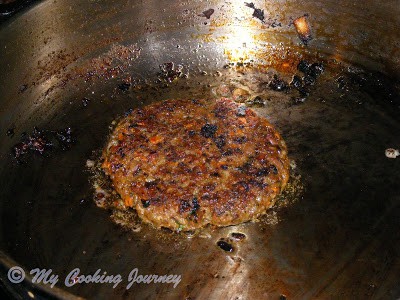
x,y
183,164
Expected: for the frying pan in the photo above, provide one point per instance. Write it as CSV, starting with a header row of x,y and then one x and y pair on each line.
x,y
83,64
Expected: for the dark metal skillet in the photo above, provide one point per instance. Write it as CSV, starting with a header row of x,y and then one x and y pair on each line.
x,y
339,241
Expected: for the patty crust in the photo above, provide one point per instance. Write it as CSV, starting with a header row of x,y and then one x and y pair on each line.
x,y
183,164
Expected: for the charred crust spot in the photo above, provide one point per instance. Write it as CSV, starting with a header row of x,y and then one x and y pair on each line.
x,y
191,133
195,208
247,165
240,140
258,184
120,152
192,208
129,111
220,141
184,206
303,67
228,152
117,166
145,203
151,184
263,172
195,204
221,112
208,130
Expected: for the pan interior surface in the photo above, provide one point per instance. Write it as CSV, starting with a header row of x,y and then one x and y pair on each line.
x,y
332,234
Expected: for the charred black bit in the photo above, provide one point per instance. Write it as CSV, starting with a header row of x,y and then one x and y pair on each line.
x,y
282,297
258,183
309,80
240,139
129,111
227,153
311,71
238,236
304,92
277,84
184,206
316,69
220,141
40,141
257,13
36,142
208,130
296,82
10,132
85,102
169,72
64,138
124,86
23,88
207,13
215,174
220,112
247,165
241,111
20,149
263,172
224,167
150,184
120,152
117,166
145,203
303,67
195,206
225,246
274,23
